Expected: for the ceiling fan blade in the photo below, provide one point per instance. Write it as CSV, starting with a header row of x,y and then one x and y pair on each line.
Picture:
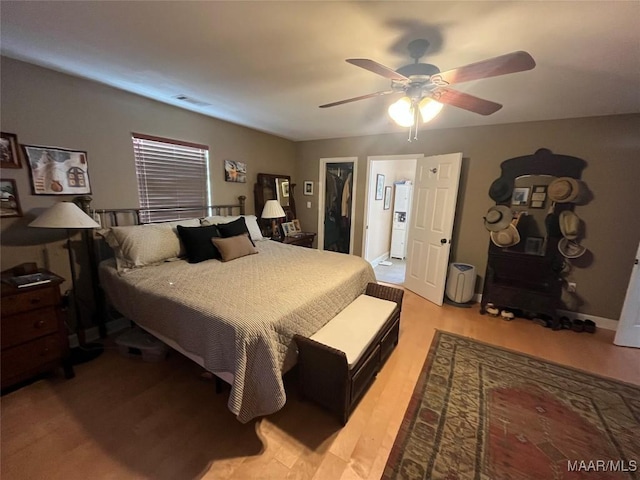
x,y
465,101
355,99
376,67
492,67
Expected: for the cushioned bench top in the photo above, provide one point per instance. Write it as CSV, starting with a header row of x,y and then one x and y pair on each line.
x,y
354,328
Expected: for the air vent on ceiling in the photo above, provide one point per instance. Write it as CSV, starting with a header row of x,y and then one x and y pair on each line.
x,y
192,101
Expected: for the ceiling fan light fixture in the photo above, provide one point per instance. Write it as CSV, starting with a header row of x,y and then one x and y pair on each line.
x,y
402,112
429,109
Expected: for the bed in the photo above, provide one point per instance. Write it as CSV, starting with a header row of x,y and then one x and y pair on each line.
x,y
237,318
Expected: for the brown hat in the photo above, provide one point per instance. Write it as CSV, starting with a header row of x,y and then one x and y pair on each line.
x,y
498,218
566,190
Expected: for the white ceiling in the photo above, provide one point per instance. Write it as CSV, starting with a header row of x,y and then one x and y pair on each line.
x,y
269,65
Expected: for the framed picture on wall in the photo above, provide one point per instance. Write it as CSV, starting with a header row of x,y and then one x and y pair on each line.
x,y
387,198
58,171
308,188
235,171
9,202
9,151
520,196
379,186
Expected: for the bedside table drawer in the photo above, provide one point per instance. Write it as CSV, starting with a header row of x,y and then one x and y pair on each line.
x,y
24,327
30,358
29,300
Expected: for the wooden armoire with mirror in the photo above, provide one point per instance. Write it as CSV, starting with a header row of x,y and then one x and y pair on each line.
x,y
526,278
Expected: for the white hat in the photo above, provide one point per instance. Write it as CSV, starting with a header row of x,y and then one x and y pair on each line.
x,y
570,249
566,190
569,224
498,218
507,237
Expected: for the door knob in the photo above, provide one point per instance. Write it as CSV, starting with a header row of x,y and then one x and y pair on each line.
x,y
443,240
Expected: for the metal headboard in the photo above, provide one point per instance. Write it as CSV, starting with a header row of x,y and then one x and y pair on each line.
x,y
113,217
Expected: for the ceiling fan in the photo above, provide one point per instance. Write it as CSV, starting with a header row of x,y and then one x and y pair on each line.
x,y
426,88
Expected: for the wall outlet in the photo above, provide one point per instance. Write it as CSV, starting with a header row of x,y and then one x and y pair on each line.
x,y
571,287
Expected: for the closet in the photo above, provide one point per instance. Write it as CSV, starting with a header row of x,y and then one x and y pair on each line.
x,y
337,207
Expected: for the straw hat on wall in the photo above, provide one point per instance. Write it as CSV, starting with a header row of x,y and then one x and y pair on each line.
x,y
498,218
567,190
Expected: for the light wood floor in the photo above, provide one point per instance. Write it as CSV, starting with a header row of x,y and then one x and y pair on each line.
x,y
126,419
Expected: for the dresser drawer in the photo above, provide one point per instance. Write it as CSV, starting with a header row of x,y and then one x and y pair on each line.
x,y
29,300
30,358
21,328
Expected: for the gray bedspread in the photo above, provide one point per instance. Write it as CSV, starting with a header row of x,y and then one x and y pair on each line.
x,y
240,316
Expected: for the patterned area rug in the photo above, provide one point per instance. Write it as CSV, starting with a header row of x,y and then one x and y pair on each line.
x,y
481,412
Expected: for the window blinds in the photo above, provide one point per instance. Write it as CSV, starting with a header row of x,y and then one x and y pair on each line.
x,y
173,178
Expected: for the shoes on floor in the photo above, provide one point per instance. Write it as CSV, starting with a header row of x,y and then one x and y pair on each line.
x,y
565,323
492,310
589,326
577,325
507,315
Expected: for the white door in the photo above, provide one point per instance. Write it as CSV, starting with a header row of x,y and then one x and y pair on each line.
x,y
429,240
628,333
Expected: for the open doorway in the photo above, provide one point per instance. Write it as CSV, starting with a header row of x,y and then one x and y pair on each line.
x,y
384,245
336,204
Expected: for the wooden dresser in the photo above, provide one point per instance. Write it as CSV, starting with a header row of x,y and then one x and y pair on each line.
x,y
34,337
300,239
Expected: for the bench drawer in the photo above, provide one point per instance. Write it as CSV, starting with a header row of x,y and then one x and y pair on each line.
x,y
390,340
360,380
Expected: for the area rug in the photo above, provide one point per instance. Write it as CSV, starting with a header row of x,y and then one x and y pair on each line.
x,y
482,412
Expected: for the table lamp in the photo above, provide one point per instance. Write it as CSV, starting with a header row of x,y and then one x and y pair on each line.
x,y
273,210
69,216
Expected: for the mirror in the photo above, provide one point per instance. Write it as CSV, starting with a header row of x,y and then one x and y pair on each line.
x,y
274,187
530,198
282,191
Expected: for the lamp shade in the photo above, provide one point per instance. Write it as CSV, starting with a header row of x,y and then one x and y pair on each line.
x,y
402,112
272,209
64,215
429,109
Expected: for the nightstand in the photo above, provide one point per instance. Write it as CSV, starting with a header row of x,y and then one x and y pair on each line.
x,y
34,337
304,239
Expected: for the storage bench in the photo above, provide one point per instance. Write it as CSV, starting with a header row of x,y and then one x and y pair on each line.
x,y
337,364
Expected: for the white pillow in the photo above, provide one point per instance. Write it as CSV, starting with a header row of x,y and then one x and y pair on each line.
x,y
251,221
141,245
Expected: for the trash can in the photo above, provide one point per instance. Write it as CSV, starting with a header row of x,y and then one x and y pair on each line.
x,y
461,282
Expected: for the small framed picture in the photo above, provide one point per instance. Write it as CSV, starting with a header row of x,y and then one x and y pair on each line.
x,y
9,202
534,245
308,188
296,225
387,198
538,196
520,196
379,186
9,151
235,171
286,228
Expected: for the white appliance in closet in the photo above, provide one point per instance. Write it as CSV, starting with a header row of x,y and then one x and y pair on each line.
x,y
401,206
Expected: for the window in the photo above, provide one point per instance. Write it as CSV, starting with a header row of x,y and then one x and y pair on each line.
x,y
173,178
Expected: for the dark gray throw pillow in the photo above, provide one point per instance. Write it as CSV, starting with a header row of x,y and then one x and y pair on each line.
x,y
233,229
197,242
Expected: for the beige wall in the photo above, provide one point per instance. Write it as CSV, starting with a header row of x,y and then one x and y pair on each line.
x,y
44,107
609,145
49,108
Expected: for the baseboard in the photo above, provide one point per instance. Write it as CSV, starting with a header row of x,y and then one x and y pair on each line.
x,y
376,261
92,334
602,322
